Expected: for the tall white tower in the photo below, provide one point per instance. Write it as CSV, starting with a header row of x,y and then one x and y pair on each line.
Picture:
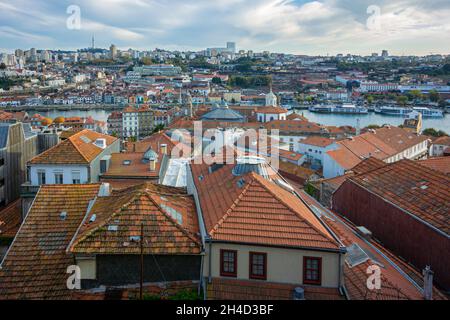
x,y
271,99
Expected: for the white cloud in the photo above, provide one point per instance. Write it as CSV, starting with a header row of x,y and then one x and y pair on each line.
x,y
298,26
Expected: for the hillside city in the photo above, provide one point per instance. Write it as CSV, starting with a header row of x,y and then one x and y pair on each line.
x,y
223,174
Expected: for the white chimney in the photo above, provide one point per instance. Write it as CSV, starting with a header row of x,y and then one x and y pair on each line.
x,y
153,165
164,149
105,190
428,283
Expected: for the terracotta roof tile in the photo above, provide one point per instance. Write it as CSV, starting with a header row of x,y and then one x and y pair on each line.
x,y
11,219
441,164
168,214
394,285
271,110
415,188
256,211
36,265
77,149
318,141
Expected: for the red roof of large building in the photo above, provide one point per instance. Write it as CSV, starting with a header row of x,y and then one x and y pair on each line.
x,y
254,210
413,187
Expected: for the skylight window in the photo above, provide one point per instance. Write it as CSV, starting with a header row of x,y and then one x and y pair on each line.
x,y
355,255
127,162
113,228
93,218
173,213
85,139
63,215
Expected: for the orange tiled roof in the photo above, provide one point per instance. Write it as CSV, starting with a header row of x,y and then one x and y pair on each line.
x,y
77,149
297,117
445,141
256,211
136,169
294,126
381,144
415,188
11,219
271,110
36,265
368,165
441,164
364,166
318,141
394,285
148,204
289,155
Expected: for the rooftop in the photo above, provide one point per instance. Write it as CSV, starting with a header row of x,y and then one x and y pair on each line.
x,y
271,110
80,148
318,141
419,190
10,219
255,210
35,267
113,225
441,164
399,281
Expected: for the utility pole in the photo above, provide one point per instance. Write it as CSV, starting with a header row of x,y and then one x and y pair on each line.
x,y
141,287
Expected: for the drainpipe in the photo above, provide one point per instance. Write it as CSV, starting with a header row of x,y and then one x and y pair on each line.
x,y
209,261
200,285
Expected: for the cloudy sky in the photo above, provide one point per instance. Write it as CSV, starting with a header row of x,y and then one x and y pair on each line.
x,y
291,26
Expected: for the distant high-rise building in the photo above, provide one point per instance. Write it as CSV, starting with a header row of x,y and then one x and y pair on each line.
x,y
385,53
231,46
113,52
19,53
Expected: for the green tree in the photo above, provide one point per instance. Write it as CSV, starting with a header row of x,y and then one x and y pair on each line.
x,y
2,66
370,99
158,128
402,100
434,133
416,94
217,80
434,96
147,61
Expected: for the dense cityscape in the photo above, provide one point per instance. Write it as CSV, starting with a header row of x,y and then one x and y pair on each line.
x,y
223,174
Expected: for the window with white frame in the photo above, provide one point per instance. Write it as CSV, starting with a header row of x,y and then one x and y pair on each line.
x,y
59,177
76,177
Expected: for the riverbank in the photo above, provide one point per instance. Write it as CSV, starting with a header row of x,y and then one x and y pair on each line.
x,y
326,119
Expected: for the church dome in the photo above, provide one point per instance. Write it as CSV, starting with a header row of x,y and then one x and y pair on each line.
x,y
150,155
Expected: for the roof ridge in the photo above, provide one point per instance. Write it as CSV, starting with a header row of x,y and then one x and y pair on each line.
x,y
230,209
295,212
172,220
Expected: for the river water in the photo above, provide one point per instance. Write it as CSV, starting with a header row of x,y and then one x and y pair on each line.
x,y
325,119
